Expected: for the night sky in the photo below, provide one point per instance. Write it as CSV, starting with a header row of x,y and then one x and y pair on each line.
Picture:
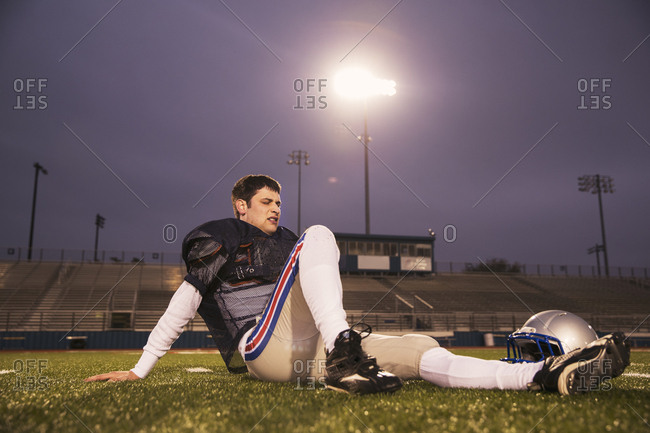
x,y
147,112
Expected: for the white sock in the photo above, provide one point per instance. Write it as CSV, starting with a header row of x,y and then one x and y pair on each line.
x,y
321,283
443,368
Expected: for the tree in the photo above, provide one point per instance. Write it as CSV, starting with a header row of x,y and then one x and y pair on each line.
x,y
494,265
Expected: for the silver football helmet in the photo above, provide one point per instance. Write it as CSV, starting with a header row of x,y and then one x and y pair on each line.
x,y
549,333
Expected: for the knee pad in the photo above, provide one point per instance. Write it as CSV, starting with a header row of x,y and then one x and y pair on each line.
x,y
399,355
421,342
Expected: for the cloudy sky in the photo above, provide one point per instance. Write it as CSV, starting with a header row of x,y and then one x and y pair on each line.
x,y
148,111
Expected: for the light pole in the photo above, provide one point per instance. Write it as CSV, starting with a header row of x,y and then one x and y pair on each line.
x,y
366,181
99,223
596,249
38,168
597,184
360,84
299,157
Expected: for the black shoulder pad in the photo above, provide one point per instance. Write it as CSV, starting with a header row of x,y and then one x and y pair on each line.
x,y
209,238
285,233
199,245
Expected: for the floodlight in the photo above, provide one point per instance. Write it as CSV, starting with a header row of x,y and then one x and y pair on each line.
x,y
355,83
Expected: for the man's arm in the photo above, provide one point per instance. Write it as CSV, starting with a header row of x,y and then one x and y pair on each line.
x,y
182,308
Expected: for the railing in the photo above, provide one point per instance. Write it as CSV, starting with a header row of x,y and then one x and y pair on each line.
x,y
634,272
11,254
76,320
449,329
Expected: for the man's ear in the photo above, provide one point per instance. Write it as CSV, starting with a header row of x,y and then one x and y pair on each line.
x,y
241,206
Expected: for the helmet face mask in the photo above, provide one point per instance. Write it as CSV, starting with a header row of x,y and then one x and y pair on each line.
x,y
532,347
549,333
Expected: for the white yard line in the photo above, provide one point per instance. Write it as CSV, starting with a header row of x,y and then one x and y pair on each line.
x,y
198,370
645,375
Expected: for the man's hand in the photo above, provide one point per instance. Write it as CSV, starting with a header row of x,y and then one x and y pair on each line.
x,y
113,376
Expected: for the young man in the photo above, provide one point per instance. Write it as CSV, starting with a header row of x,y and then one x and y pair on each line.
x,y
273,304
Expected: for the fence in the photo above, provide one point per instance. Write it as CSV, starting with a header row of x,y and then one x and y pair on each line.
x,y
76,321
12,254
92,320
554,270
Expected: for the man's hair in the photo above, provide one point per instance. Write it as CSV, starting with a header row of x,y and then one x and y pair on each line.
x,y
247,187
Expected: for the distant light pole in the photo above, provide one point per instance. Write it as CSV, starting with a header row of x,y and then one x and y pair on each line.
x,y
596,249
597,184
38,168
360,84
297,157
99,223
366,176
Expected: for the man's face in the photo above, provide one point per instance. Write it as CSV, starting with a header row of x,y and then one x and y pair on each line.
x,y
263,212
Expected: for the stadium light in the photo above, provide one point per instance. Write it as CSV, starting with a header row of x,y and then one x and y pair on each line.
x,y
597,184
299,157
357,83
360,84
38,168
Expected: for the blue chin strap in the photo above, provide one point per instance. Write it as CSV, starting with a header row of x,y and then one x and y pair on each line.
x,y
540,346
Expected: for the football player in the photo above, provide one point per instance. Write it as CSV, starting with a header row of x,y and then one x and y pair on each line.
x,y
273,304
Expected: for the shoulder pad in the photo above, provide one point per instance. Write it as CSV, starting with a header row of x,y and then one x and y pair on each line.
x,y
285,233
211,237
199,246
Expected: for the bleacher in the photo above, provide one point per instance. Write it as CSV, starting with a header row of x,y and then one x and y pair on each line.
x,y
483,302
103,296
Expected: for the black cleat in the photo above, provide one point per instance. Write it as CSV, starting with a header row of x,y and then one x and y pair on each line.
x,y
585,369
349,369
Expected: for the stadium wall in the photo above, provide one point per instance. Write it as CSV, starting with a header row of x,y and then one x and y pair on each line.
x,y
52,340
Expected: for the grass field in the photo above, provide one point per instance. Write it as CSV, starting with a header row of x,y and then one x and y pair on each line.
x,y
45,392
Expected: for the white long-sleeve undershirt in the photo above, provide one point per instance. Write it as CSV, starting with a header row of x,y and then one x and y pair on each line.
x,y
181,309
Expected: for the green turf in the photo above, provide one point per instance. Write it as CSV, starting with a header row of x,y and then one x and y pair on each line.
x,y
173,400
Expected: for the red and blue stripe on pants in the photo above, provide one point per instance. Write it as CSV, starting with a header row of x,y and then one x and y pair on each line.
x,y
261,335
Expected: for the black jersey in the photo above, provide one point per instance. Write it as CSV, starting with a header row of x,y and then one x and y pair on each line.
x,y
234,265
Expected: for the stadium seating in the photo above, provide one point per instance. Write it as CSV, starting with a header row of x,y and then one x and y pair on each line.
x,y
103,296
